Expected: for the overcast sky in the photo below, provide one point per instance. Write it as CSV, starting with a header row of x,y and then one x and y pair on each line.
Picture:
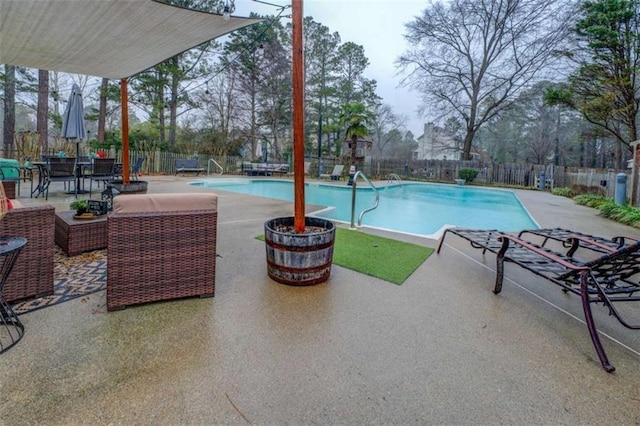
x,y
377,25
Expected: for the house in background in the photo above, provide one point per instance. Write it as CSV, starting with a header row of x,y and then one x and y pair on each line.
x,y
436,144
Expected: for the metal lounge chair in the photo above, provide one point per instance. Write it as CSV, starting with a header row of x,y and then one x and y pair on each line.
x,y
609,278
336,174
574,239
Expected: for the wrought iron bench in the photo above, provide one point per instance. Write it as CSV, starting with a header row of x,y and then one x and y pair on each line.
x,y
610,277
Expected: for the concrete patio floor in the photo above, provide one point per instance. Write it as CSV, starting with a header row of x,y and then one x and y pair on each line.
x,y
439,349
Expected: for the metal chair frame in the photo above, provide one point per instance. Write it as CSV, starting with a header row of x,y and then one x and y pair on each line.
x,y
610,276
103,171
60,169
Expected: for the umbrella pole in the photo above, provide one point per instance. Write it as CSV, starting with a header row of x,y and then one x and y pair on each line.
x,y
78,168
298,118
125,131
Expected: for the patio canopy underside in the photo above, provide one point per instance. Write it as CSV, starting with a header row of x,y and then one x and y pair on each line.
x,y
105,38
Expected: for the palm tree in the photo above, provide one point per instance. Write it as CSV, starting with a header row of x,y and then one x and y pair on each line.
x,y
357,121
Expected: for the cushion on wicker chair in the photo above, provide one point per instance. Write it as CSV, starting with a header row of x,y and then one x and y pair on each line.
x,y
164,202
13,204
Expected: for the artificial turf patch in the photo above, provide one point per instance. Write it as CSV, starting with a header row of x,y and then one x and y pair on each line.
x,y
384,258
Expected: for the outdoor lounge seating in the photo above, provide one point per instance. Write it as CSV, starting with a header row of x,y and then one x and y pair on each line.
x,y
32,275
11,171
136,168
188,166
307,169
161,247
264,169
336,174
606,272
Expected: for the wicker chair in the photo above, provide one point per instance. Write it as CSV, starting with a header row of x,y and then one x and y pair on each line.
x,y
32,275
158,250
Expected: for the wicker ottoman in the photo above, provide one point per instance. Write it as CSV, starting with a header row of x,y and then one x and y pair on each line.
x,y
78,236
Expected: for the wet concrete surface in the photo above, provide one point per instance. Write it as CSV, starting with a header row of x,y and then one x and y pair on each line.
x,y
439,349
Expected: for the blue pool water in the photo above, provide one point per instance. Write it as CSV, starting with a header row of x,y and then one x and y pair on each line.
x,y
415,208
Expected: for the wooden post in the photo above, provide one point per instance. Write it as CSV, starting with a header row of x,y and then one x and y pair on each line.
x,y
298,117
125,131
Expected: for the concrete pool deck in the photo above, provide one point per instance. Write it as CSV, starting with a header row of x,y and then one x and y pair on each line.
x,y
439,349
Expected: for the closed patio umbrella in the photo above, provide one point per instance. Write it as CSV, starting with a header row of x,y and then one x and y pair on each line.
x,y
73,119
73,122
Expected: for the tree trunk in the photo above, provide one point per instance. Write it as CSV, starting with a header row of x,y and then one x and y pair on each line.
x,y
102,113
173,102
42,124
9,108
633,137
354,148
160,106
466,148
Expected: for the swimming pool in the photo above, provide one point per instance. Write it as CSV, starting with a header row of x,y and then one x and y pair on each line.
x,y
415,208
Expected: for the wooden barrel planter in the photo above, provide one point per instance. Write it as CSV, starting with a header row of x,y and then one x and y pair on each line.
x,y
299,259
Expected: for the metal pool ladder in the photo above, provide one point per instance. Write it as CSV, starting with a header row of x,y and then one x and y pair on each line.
x,y
392,176
353,198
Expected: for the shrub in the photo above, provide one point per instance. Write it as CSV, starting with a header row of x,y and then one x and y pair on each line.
x,y
588,200
609,209
624,214
563,192
630,216
467,174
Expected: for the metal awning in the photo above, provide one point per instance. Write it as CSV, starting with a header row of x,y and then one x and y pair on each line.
x,y
103,38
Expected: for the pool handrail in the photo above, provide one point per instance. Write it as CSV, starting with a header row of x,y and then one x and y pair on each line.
x,y
211,160
392,176
353,198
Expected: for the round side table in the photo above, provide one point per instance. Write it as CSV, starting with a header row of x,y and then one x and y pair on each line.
x,y
11,329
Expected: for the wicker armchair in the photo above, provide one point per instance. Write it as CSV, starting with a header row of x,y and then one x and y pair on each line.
x,y
32,275
161,247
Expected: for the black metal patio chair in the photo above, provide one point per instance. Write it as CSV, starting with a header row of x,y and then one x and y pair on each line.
x,y
102,171
61,169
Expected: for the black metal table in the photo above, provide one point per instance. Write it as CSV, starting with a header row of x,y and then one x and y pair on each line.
x,y
43,181
81,166
11,329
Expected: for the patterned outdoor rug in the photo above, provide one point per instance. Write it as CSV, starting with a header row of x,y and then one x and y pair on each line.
x,y
73,277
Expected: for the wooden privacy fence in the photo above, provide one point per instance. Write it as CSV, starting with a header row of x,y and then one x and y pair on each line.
x,y
580,180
